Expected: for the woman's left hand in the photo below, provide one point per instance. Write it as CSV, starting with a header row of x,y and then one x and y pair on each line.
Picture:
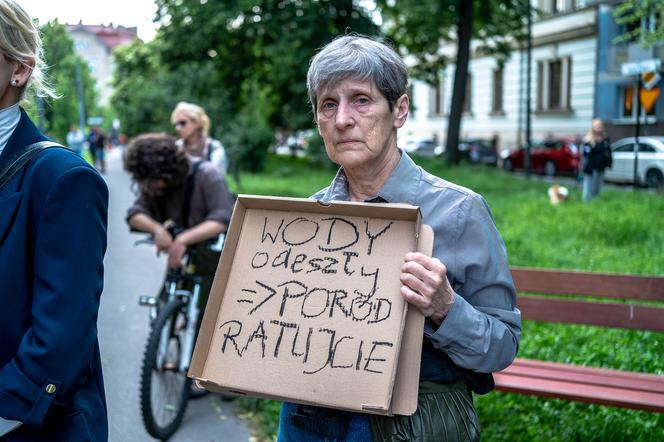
x,y
425,286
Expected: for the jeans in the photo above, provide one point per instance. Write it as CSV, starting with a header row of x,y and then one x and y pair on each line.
x,y
359,429
592,183
445,413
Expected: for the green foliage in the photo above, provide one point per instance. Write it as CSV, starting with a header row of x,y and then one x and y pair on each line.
x,y
146,91
245,63
621,231
644,20
63,64
249,135
419,28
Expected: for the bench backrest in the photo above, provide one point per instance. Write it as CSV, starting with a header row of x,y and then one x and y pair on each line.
x,y
626,288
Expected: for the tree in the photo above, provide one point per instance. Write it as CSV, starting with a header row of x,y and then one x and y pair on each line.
x,y
644,20
421,27
228,58
62,63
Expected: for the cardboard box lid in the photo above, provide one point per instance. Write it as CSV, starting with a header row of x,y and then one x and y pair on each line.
x,y
306,307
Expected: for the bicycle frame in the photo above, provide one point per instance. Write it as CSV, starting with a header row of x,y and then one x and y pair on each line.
x,y
190,298
174,315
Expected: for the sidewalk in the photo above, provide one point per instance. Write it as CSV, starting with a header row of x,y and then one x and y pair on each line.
x,y
131,271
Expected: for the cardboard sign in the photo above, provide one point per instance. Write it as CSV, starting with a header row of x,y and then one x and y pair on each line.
x,y
306,306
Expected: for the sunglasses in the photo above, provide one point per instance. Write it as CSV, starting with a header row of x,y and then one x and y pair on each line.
x,y
181,123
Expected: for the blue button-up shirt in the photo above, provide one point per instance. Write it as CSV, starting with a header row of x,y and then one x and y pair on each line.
x,y
482,330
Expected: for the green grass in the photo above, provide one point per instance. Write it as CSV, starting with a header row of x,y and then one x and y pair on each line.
x,y
621,231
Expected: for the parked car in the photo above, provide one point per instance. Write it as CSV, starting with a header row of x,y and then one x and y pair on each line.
x,y
549,157
650,162
423,147
478,151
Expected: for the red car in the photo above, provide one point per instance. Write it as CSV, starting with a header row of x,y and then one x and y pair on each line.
x,y
549,157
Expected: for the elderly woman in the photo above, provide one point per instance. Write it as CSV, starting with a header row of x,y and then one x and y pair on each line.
x,y
193,125
53,215
357,87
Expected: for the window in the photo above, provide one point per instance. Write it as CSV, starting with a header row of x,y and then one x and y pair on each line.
x,y
436,97
625,148
643,148
556,6
468,96
497,105
629,103
554,85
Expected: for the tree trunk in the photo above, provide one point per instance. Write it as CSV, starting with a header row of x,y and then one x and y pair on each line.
x,y
464,31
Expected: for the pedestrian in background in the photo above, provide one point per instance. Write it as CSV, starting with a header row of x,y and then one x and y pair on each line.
x,y
97,144
193,126
76,139
53,218
596,158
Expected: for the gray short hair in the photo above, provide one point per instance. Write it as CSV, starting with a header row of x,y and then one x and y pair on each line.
x,y
360,58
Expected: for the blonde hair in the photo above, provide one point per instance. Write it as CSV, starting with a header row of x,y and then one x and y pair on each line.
x,y
590,136
20,41
195,113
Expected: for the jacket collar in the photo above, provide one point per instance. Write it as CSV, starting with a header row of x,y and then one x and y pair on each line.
x,y
25,134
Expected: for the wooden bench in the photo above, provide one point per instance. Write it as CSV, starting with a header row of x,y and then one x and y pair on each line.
x,y
594,385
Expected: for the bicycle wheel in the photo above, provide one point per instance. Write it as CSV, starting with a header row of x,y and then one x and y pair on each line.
x,y
164,389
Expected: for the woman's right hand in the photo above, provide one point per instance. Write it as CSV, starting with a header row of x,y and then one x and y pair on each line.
x,y
162,239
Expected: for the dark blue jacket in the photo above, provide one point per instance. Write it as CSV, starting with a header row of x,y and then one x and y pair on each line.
x,y
53,218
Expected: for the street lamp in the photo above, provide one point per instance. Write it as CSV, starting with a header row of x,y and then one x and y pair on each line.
x,y
529,61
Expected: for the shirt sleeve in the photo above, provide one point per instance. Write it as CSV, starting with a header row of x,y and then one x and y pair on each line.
x,y
57,349
142,204
219,158
483,328
217,198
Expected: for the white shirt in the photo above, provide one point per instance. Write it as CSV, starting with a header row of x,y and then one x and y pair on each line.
x,y
9,118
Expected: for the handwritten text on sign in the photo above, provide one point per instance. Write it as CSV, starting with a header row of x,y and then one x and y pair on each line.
x,y
316,289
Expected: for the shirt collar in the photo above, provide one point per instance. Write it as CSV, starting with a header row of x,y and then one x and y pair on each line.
x,y
400,187
9,118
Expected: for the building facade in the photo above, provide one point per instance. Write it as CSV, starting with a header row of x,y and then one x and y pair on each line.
x,y
617,93
573,80
95,44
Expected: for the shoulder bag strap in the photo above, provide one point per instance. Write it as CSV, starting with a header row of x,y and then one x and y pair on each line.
x,y
22,158
208,144
188,192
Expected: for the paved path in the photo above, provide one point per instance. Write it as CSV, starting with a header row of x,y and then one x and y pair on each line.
x,y
123,326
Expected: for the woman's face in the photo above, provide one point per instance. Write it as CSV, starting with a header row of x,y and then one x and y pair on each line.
x,y
598,127
185,126
356,123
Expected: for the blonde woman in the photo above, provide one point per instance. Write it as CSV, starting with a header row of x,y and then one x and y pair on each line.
x,y
596,158
193,125
53,217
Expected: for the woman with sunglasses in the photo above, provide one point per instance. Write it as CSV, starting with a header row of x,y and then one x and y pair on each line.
x,y
192,125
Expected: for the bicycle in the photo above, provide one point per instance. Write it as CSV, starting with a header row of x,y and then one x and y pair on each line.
x,y
165,388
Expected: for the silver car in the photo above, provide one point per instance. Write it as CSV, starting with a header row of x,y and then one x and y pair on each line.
x,y
650,161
